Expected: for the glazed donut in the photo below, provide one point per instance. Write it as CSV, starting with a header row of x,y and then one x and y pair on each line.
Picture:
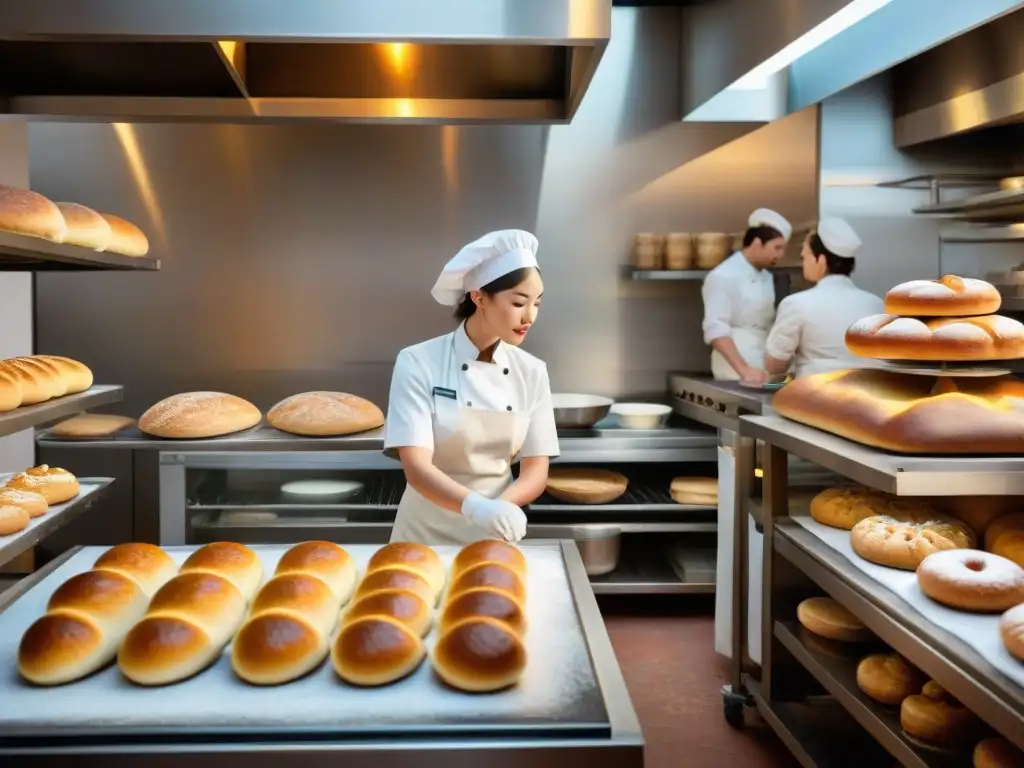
x,y
935,716
55,484
971,580
1011,628
897,544
12,520
32,502
888,678
997,753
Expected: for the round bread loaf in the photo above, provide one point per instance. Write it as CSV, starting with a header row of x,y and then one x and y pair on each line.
x,y
950,296
54,484
480,655
969,580
147,564
978,511
489,551
1002,525
484,602
325,560
28,213
235,562
586,485
90,425
77,376
698,491
376,650
898,544
492,575
401,604
415,557
997,753
323,414
845,507
935,716
825,617
125,238
397,578
56,384
32,502
1011,629
888,678
34,382
10,391
951,339
85,227
195,415
12,519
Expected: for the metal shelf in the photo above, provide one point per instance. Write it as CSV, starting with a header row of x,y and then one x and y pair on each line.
x,y
92,489
646,571
19,253
32,415
1011,233
687,274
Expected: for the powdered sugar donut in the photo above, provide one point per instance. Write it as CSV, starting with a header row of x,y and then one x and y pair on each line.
x,y
1011,628
971,580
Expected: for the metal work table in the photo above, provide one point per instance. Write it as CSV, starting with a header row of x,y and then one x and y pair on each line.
x,y
718,404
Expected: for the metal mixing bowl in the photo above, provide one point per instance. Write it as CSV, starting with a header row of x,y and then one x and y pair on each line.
x,y
574,411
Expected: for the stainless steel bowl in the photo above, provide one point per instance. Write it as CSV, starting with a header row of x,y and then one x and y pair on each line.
x,y
574,411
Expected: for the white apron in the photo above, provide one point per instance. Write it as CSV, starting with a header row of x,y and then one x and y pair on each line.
x,y
475,448
750,326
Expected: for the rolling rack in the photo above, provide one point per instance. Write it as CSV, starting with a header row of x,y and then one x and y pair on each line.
x,y
807,691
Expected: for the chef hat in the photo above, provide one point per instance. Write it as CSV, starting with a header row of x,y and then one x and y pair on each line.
x,y
764,217
484,261
838,237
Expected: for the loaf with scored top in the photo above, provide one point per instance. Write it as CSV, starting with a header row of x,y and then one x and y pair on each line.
x,y
948,339
950,296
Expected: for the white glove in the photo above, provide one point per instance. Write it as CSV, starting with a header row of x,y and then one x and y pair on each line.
x,y
497,516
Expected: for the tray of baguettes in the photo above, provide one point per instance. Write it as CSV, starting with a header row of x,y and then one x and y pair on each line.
x,y
314,637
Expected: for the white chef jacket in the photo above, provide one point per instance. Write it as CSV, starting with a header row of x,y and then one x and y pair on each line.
x,y
447,362
739,302
810,327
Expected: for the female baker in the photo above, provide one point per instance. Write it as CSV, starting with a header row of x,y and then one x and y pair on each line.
x,y
464,405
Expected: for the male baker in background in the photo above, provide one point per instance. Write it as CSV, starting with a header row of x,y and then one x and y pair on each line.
x,y
739,300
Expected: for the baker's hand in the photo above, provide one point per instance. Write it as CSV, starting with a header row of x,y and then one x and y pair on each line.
x,y
497,516
754,376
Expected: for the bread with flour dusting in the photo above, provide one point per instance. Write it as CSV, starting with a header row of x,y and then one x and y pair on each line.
x,y
950,296
947,339
323,414
193,415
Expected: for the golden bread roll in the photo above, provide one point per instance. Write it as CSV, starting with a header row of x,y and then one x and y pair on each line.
x,y
946,339
484,602
825,617
396,578
77,376
910,414
56,385
86,619
950,296
1002,525
997,753
54,484
415,557
978,511
324,414
34,383
376,650
480,655
888,678
489,551
13,519
1011,630
1011,546
85,227
194,415
287,633
585,485
189,621
699,491
898,544
10,391
88,425
935,716
28,213
32,502
400,604
493,575
325,560
235,562
969,580
147,564
125,238
845,507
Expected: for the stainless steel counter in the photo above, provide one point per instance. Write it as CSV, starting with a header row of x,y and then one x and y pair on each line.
x,y
718,404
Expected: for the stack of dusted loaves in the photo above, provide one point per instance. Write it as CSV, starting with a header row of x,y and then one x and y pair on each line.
x,y
31,493
39,378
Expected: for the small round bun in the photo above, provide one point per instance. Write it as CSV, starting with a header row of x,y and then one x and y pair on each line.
x,y
480,655
935,716
997,753
194,415
897,544
100,594
487,603
1011,628
1001,526
971,580
416,557
376,650
57,645
25,212
888,678
277,647
54,484
125,238
12,520
826,618
235,562
324,414
206,598
85,227
696,491
149,565
325,560
949,296
161,650
31,501
401,604
302,594
493,575
490,551
396,578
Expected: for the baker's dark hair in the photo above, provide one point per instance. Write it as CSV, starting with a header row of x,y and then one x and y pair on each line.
x,y
764,234
837,265
506,282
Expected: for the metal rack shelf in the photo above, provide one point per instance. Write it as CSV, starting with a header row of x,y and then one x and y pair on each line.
x,y
650,573
19,253
30,416
687,274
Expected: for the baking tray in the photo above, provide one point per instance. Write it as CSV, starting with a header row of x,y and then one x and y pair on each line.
x,y
557,697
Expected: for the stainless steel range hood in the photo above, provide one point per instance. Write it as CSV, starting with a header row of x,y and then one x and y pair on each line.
x,y
412,61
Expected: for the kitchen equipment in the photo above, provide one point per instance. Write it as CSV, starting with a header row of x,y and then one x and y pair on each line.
x,y
712,248
599,547
648,250
319,490
679,251
575,411
641,415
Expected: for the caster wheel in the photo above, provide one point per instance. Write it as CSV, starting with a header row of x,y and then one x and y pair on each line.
x,y
734,706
